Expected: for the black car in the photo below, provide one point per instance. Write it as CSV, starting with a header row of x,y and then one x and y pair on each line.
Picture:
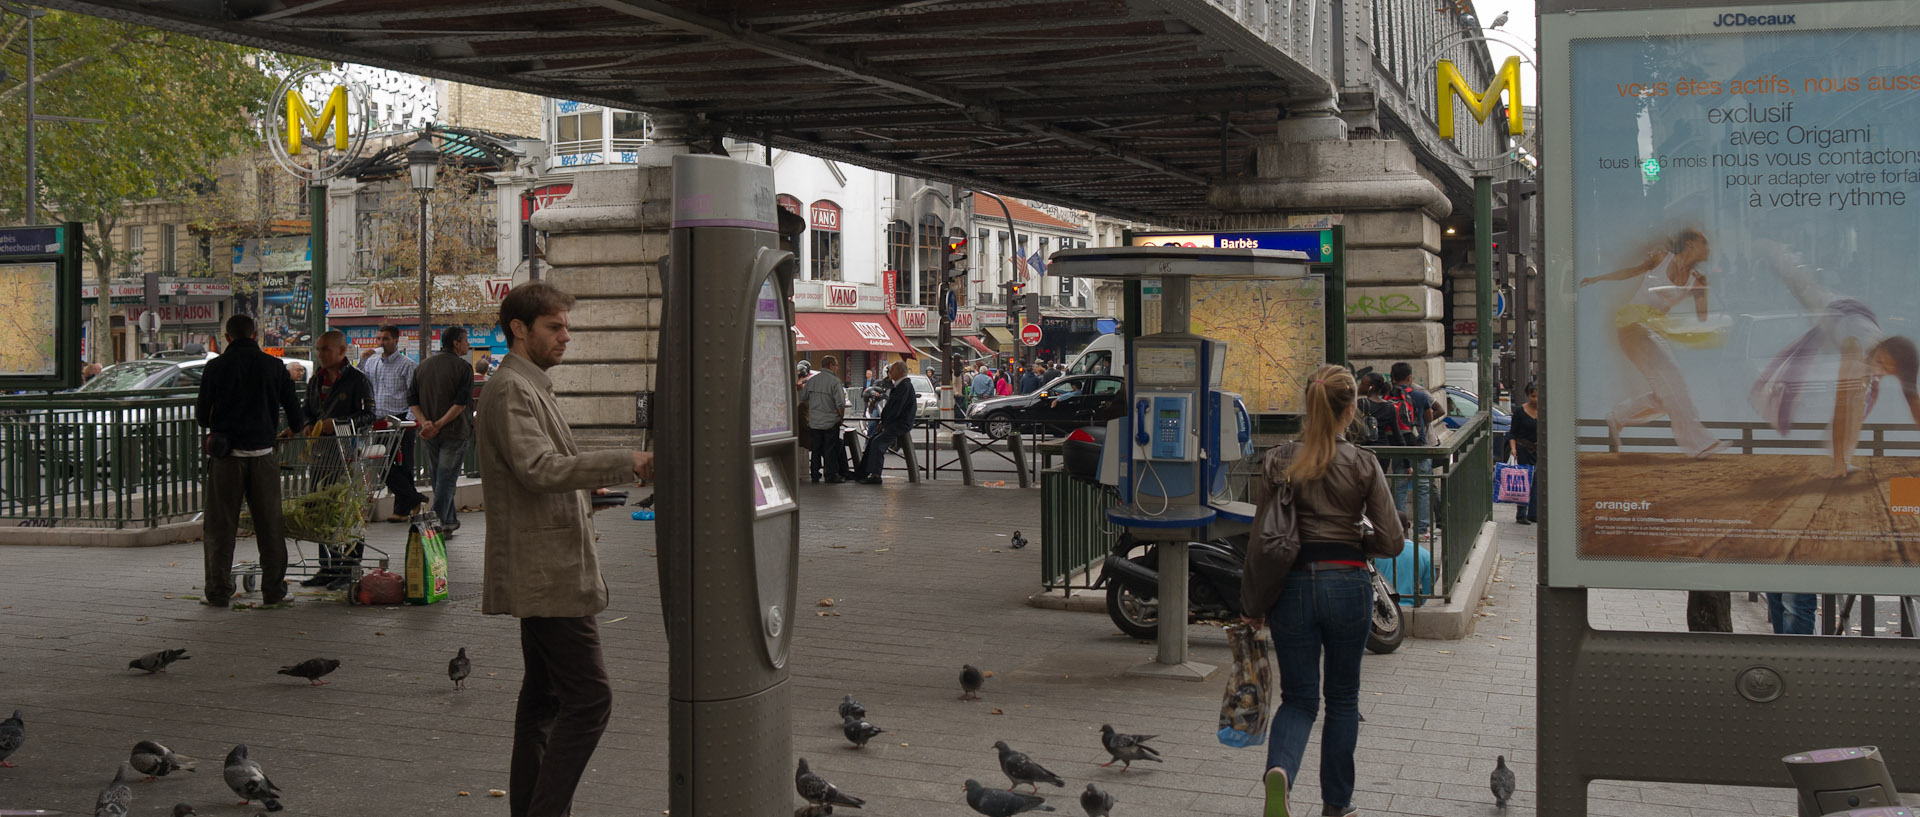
x,y
1063,405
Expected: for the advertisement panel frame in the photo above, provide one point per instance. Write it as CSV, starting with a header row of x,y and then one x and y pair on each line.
x,y
1564,565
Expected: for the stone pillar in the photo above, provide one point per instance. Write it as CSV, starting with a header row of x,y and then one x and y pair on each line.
x,y
1394,304
604,243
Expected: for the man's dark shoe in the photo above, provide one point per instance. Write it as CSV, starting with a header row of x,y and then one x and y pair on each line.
x,y
835,480
341,583
317,580
870,481
283,601
214,602
450,527
816,478
397,517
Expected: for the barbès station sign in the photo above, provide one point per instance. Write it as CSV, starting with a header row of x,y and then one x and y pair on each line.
x,y
316,142
1512,143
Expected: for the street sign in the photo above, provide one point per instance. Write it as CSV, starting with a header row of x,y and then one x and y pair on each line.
x,y
1030,334
150,321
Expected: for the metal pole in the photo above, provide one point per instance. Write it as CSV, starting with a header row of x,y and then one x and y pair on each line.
x,y
424,312
33,163
317,238
1483,297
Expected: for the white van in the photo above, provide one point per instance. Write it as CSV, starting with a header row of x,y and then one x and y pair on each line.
x,y
1107,354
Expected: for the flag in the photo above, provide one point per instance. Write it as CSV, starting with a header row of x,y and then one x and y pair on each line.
x,y
1019,267
1038,262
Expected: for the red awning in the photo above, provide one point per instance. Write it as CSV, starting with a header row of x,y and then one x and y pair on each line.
x,y
829,332
974,342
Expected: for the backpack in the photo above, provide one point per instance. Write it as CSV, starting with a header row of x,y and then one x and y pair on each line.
x,y
1401,399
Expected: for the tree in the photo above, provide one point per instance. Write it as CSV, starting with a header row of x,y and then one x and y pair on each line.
x,y
173,105
461,245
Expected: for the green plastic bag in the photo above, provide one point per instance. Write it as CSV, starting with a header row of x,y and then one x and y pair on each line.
x,y
426,564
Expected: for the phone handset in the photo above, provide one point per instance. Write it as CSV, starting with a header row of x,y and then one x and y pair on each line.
x,y
1141,435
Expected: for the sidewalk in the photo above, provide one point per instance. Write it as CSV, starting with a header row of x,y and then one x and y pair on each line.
x,y
922,581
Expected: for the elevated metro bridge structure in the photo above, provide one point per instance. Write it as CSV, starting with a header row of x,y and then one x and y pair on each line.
x,y
1147,109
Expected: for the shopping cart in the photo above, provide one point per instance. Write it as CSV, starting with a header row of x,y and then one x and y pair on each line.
x,y
326,495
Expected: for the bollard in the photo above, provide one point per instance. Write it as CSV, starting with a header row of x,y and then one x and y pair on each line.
x,y
1019,460
964,456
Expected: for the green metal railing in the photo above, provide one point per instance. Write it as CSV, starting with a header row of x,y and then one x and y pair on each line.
x,y
127,459
1074,533
1460,484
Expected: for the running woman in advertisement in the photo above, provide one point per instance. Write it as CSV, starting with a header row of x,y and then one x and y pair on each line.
x,y
1843,326
1667,276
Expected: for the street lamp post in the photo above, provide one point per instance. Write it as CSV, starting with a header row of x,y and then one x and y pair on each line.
x,y
423,162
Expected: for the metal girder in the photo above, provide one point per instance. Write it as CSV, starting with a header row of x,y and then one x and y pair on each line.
x,y
1213,21
415,13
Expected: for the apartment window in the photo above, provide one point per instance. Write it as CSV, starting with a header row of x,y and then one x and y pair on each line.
x,y
631,130
578,129
899,256
823,221
932,246
136,247
169,237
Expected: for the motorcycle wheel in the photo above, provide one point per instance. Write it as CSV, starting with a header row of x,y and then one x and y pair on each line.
x,y
1389,628
1135,616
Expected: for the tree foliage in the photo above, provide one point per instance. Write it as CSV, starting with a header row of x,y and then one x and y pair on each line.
x,y
173,105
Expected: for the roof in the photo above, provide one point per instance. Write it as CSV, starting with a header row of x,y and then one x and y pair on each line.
x,y
986,209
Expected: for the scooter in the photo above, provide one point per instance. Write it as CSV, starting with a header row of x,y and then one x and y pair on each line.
x,y
1132,579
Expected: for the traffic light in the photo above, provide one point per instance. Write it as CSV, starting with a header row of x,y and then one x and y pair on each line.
x,y
952,267
1514,216
1014,290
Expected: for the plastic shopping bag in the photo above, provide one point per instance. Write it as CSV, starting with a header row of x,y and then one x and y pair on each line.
x,y
1249,696
426,564
1513,483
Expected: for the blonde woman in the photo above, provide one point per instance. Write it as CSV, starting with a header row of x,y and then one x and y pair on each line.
x,y
1666,277
1321,611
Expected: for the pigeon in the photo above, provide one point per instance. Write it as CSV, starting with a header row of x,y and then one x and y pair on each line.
x,y
1126,748
248,780
850,708
1096,802
117,798
153,760
1499,21
970,682
1501,782
1021,769
157,661
459,668
311,669
183,810
859,731
1018,541
13,732
997,803
813,811
816,790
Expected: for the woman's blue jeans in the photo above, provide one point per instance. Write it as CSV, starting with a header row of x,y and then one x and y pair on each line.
x,y
1326,612
1793,613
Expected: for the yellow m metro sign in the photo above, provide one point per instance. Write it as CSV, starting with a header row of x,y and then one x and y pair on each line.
x,y
333,117
1450,82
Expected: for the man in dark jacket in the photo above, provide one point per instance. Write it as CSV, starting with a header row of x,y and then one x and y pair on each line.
x,y
243,394
896,420
337,394
1029,381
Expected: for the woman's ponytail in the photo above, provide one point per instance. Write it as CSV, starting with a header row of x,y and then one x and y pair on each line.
x,y
1330,392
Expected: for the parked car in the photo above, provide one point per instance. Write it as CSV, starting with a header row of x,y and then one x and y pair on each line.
x,y
1463,404
926,401
1063,405
153,375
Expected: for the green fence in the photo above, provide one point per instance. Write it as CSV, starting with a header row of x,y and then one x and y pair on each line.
x,y
1458,479
1074,532
119,460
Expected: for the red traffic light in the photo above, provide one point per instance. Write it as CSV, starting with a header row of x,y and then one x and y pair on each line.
x,y
956,248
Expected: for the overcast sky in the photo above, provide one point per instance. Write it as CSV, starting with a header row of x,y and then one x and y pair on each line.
x,y
1520,24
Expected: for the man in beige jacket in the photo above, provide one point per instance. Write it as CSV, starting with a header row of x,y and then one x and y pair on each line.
x,y
540,562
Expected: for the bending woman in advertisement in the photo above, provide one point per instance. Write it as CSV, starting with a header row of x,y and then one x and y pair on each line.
x,y
1667,276
1847,327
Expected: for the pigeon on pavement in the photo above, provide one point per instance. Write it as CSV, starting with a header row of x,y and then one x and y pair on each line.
x,y
183,810
13,732
1096,802
816,790
248,780
850,708
311,669
859,731
157,661
153,760
1021,769
117,798
813,811
971,680
1501,782
1126,748
997,803
459,668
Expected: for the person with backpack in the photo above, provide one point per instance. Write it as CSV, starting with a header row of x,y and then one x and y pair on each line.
x,y
1421,409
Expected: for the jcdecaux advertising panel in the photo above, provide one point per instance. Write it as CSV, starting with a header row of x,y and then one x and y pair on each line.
x,y
1733,213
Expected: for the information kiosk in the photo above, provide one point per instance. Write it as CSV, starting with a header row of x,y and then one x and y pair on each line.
x,y
1180,430
729,537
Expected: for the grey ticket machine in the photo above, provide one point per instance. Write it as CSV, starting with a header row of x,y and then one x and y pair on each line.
x,y
729,539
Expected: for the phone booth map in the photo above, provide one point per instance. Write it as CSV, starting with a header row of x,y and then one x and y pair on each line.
x,y
1275,333
29,318
772,381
